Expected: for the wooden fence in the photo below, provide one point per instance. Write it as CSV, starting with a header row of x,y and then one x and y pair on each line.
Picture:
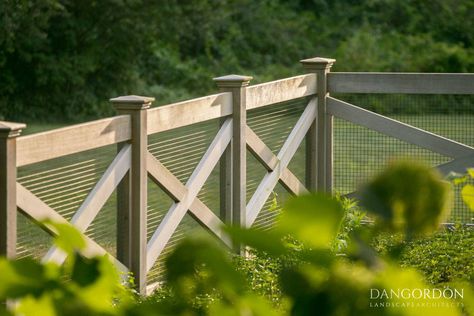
x,y
133,164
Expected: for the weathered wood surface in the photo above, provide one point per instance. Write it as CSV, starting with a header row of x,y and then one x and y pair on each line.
x,y
72,139
8,176
410,83
189,112
280,91
399,130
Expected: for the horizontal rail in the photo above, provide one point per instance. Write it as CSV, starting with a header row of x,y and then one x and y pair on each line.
x,y
458,165
399,130
280,91
72,139
409,83
189,112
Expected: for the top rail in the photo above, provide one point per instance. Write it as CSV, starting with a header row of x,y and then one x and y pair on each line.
x,y
409,83
280,90
72,139
189,112
77,138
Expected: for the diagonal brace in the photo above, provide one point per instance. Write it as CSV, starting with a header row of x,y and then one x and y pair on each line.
x,y
38,211
270,161
162,177
197,179
99,194
284,156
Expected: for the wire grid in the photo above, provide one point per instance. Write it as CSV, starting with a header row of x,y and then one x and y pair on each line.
x,y
273,124
180,151
360,153
63,184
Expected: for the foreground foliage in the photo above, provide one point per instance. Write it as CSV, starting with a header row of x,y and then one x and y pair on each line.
x,y
317,260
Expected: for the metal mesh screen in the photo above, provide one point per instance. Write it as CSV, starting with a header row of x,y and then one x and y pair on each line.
x,y
180,150
273,124
63,184
360,152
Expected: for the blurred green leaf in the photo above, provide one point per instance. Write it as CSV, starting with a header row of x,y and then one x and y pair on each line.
x,y
267,241
408,197
85,271
470,171
41,306
467,194
68,238
246,305
313,219
96,283
197,253
24,277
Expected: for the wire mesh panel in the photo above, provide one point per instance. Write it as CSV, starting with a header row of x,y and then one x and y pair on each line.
x,y
273,124
360,152
63,184
180,151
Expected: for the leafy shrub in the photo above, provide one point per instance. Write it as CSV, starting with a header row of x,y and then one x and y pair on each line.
x,y
63,59
298,255
88,286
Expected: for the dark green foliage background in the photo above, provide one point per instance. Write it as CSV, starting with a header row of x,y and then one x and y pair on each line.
x,y
62,60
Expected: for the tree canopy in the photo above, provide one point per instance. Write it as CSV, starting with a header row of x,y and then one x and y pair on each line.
x,y
62,60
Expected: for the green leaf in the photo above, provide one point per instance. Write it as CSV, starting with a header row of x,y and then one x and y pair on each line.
x,y
460,180
42,306
23,277
68,238
312,219
267,241
467,194
409,197
85,271
99,285
470,171
196,254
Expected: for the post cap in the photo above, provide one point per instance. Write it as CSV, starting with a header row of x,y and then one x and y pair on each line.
x,y
232,81
11,129
132,102
317,63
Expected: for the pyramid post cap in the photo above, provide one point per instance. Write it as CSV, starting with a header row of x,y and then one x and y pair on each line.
x,y
11,129
232,81
132,102
317,63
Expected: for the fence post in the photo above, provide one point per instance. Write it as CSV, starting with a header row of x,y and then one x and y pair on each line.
x,y
234,160
132,192
8,172
319,140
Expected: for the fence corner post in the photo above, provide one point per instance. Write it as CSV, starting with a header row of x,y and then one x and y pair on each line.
x,y
132,192
8,173
234,160
319,140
